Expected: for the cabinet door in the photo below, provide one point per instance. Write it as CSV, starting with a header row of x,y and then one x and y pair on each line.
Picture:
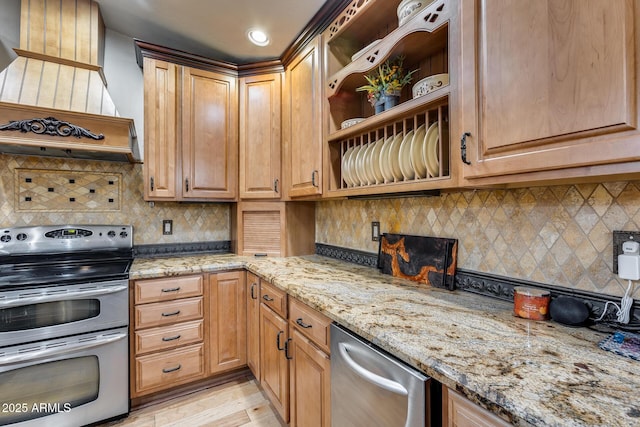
x,y
209,135
548,85
260,106
310,384
161,166
227,321
274,366
303,122
253,324
461,412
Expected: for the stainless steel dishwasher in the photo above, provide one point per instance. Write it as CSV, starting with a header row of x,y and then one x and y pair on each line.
x,y
371,388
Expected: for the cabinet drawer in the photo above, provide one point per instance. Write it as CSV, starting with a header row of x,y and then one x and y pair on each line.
x,y
274,298
169,368
167,288
310,323
164,313
167,337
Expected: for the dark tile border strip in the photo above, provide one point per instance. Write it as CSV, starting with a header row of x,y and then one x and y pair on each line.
x,y
367,259
175,249
495,286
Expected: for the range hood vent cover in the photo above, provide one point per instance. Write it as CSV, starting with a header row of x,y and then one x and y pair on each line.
x,y
53,96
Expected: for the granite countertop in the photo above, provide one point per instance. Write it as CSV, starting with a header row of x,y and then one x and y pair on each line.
x,y
535,373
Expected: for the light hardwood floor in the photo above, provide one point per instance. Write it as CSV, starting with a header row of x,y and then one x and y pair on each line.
x,y
238,403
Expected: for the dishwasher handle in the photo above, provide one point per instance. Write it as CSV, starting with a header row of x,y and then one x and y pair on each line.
x,y
367,375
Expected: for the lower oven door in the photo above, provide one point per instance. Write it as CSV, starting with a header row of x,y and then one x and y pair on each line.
x,y
70,381
46,312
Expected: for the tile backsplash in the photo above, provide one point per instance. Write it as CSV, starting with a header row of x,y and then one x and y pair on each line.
x,y
92,184
559,235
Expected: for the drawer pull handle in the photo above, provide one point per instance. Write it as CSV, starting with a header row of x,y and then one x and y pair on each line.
x,y
267,298
167,370
171,289
301,323
278,340
286,349
174,313
173,338
253,286
463,148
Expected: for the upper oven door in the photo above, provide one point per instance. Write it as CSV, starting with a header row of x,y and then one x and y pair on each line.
x,y
54,311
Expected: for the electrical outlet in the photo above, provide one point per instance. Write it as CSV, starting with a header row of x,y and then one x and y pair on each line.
x,y
375,231
619,237
167,227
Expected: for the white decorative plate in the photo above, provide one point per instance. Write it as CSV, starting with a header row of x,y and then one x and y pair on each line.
x,y
346,173
350,122
405,156
430,152
394,157
375,161
385,165
429,84
353,165
362,178
366,164
417,162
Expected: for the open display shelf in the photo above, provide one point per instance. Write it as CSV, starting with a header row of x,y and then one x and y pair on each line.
x,y
361,39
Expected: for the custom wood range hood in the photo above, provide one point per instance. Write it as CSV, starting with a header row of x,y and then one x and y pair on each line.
x,y
53,96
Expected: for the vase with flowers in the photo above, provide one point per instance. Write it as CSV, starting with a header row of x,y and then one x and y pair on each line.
x,y
385,84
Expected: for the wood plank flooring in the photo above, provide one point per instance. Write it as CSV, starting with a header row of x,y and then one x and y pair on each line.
x,y
238,403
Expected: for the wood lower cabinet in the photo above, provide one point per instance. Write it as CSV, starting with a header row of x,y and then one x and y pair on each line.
x,y
302,122
549,89
274,365
191,133
227,321
458,411
167,339
253,324
310,367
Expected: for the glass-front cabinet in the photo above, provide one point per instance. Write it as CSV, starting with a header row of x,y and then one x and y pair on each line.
x,y
403,147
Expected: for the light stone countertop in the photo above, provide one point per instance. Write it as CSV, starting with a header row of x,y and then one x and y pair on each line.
x,y
536,373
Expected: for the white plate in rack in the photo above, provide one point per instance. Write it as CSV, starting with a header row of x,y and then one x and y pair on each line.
x,y
394,157
417,143
430,152
362,178
353,172
366,164
375,161
385,165
405,157
346,173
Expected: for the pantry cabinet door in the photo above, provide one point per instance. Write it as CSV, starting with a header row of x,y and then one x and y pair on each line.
x,y
548,85
209,135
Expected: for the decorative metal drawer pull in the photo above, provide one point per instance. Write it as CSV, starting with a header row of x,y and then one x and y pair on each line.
x,y
173,338
168,370
267,298
175,313
171,289
301,323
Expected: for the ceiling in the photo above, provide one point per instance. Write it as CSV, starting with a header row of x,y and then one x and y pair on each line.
x,y
215,29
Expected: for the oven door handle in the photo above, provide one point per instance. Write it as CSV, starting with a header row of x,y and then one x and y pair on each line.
x,y
59,350
60,296
369,376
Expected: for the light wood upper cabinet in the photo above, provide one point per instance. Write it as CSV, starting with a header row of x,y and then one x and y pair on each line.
x,y
227,321
209,135
160,143
302,122
260,139
191,133
549,85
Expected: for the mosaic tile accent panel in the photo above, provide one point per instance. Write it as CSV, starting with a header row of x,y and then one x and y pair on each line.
x,y
192,222
559,235
40,190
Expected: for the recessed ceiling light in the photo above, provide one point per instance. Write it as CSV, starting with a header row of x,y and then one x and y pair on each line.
x,y
258,37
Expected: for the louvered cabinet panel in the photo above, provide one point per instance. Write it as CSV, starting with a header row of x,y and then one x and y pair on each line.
x,y
261,232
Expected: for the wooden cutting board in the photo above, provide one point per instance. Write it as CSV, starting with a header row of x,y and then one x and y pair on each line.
x,y
424,259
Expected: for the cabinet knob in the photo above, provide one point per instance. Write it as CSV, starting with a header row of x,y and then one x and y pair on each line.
x,y
463,148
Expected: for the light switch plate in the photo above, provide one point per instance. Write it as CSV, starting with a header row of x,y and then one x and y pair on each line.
x,y
375,231
167,227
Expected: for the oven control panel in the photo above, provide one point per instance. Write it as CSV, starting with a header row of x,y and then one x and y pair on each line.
x,y
29,240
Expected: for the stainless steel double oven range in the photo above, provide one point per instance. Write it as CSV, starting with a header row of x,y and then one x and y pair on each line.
x,y
64,316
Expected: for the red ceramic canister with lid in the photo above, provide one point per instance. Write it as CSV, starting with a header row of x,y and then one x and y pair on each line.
x,y
531,303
